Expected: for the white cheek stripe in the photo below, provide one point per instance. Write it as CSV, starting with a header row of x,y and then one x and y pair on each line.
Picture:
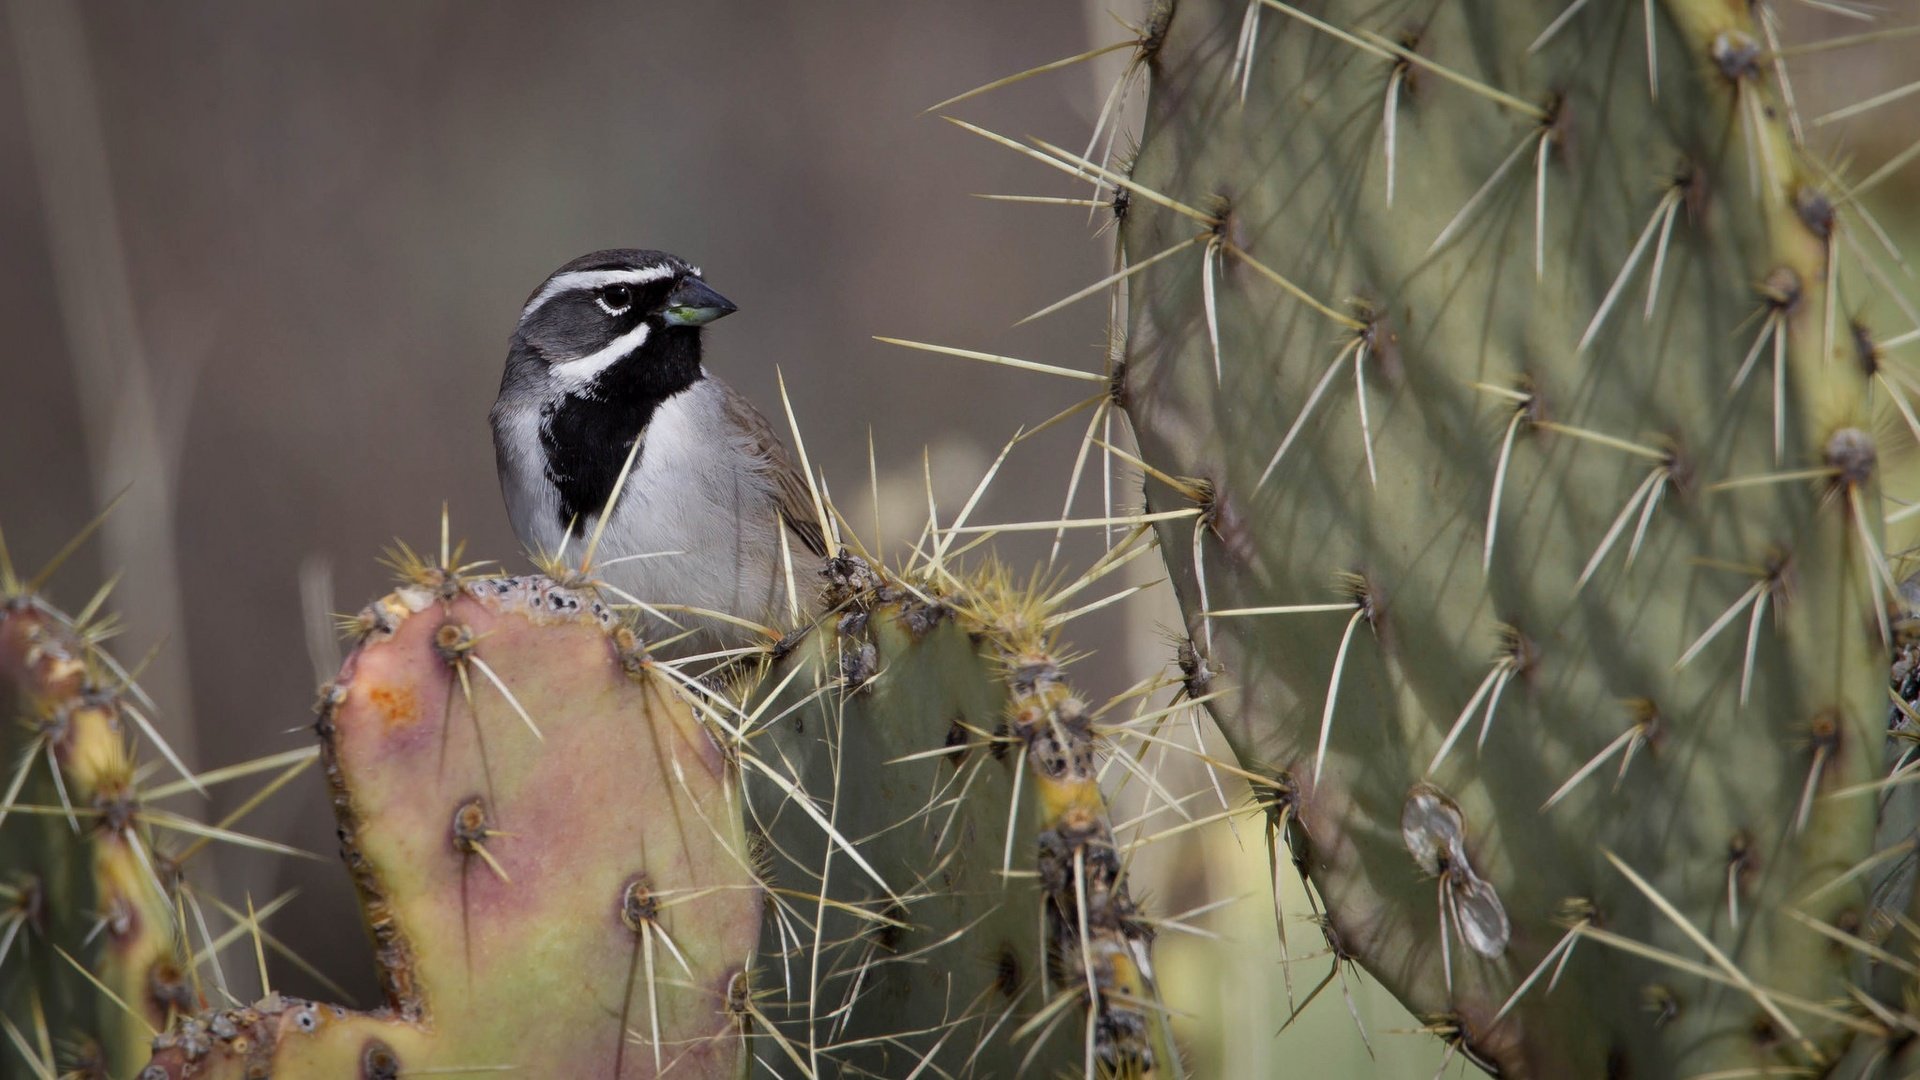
x,y
593,279
577,374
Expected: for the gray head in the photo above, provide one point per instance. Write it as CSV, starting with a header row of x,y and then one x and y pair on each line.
x,y
625,316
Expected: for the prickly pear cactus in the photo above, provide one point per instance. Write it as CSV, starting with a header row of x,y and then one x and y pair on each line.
x,y
1509,387
89,958
548,851
877,847
1540,540
946,893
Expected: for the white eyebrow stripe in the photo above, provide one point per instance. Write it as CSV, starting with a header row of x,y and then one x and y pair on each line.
x,y
593,279
575,375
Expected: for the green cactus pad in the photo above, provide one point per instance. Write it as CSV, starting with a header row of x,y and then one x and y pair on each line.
x,y
937,736
1542,650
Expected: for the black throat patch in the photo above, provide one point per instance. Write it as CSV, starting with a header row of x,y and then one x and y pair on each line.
x,y
586,436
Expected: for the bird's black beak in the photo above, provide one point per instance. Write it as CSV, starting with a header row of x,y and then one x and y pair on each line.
x,y
692,303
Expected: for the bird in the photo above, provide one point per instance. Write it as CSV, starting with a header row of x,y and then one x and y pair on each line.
x,y
607,361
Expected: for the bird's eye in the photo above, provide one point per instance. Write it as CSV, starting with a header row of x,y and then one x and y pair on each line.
x,y
614,299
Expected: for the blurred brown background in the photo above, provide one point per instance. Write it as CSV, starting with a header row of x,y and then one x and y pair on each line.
x,y
260,261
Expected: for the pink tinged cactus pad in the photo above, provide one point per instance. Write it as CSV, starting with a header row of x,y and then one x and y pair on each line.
x,y
547,850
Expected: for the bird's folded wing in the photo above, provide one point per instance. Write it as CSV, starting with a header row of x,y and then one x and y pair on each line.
x,y
792,498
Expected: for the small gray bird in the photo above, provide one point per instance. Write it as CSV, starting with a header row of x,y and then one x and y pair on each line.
x,y
607,354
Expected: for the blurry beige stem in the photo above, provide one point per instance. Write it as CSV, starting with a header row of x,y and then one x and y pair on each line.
x,y
125,440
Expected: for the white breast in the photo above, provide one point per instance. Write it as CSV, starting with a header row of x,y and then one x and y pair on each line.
x,y
696,506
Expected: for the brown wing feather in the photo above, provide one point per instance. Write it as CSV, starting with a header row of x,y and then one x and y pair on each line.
x,y
790,492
